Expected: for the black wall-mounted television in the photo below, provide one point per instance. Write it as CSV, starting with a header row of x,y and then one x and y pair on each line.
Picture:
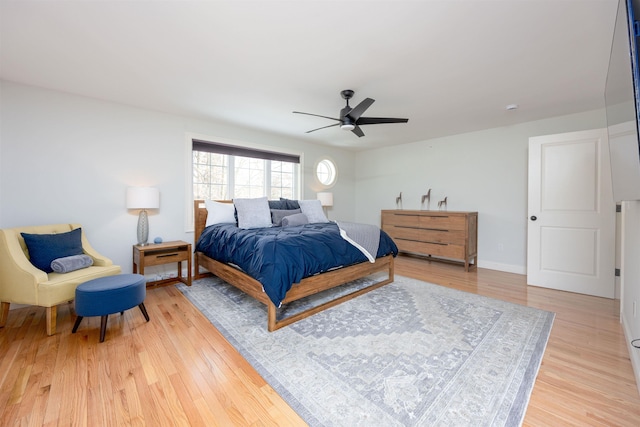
x,y
622,99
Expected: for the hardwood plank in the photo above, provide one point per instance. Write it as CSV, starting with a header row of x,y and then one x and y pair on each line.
x,y
178,369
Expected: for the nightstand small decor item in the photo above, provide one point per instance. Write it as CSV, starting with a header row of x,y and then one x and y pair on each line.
x,y
143,198
157,240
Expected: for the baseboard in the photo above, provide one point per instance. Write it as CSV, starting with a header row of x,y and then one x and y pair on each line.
x,y
634,353
507,268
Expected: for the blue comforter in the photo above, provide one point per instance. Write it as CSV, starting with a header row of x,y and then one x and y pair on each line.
x,y
278,257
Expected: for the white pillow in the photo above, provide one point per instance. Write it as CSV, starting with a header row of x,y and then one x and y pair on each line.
x,y
218,213
313,210
253,213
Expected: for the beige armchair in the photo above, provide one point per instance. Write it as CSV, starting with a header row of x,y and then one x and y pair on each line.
x,y
23,283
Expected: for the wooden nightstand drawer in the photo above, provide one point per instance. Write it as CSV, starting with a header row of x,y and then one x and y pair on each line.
x,y
163,257
163,253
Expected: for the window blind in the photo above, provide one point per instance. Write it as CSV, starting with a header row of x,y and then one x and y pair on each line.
x,y
214,147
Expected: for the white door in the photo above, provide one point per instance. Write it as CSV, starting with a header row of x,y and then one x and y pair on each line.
x,y
571,231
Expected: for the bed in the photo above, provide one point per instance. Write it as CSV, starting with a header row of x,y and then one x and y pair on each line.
x,y
312,284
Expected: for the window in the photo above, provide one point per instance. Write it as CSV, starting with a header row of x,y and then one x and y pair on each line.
x,y
326,172
223,172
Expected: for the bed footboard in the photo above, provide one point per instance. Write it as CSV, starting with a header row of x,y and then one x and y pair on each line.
x,y
306,287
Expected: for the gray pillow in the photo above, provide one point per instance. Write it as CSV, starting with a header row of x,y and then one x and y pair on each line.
x,y
71,263
295,219
253,213
313,210
278,214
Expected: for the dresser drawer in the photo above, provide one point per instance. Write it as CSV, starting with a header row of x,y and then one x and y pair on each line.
x,y
405,220
431,221
424,235
442,222
444,250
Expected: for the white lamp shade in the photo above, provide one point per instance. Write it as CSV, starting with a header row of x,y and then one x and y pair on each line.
x,y
326,199
143,198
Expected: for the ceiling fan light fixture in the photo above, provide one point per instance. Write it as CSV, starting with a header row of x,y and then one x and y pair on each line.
x,y
351,118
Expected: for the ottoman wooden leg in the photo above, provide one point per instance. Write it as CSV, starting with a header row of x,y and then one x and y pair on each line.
x,y
143,309
75,325
103,326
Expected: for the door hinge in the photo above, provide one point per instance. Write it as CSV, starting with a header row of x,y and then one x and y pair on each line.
x,y
617,272
618,208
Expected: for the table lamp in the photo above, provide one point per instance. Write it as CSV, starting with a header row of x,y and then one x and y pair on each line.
x,y
326,200
143,198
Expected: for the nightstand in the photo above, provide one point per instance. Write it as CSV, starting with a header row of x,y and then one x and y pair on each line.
x,y
163,253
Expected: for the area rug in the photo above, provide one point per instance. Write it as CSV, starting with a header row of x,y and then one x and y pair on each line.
x,y
408,354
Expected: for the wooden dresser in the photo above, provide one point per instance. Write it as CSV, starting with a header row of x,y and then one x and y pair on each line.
x,y
450,235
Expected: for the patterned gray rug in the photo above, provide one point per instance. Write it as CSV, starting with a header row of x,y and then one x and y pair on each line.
x,y
408,354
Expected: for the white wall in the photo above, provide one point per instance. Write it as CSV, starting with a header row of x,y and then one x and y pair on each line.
x,y
483,171
65,158
630,280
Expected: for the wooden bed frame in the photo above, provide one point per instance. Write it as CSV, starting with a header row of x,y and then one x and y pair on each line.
x,y
309,286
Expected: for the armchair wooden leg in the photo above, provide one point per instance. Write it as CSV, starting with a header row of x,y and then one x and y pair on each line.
x,y
52,314
4,313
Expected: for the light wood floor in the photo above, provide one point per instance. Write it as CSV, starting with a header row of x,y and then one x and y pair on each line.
x,y
178,370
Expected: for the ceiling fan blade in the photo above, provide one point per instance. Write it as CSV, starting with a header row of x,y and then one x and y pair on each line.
x,y
376,120
316,115
323,127
357,111
358,131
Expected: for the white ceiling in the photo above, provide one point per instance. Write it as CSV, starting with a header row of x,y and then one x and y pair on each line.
x,y
449,66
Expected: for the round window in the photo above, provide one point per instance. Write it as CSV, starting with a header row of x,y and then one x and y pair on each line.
x,y
326,172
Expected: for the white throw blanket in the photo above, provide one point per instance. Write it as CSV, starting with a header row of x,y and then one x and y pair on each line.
x,y
365,237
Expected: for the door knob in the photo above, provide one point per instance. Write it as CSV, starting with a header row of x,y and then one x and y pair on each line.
x,y
533,217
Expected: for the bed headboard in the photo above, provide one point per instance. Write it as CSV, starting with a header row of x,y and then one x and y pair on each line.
x,y
200,216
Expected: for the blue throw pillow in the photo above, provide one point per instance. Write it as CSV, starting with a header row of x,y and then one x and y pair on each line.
x,y
278,204
44,248
290,204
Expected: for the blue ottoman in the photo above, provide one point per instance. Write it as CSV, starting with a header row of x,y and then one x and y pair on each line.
x,y
107,295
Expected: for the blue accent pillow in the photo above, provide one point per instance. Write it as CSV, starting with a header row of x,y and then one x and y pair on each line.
x,y
44,248
278,204
290,204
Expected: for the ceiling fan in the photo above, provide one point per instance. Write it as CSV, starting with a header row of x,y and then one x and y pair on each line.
x,y
350,118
